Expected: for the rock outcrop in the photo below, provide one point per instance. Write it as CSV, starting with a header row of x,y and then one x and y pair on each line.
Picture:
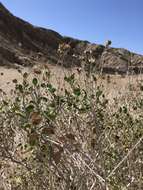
x,y
21,43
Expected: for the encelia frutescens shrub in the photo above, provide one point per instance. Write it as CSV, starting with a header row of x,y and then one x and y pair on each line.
x,y
71,138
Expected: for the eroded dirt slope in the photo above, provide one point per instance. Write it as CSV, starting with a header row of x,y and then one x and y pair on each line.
x,y
21,43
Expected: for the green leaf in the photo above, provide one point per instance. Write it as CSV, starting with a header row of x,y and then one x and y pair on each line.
x,y
35,81
19,87
125,110
30,108
77,91
51,88
70,79
98,93
50,114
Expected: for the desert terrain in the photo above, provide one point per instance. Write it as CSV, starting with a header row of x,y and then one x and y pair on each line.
x,y
71,111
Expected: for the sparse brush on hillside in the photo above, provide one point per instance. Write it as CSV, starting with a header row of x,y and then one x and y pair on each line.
x,y
71,138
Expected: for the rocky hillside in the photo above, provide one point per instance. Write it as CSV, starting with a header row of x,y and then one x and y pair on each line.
x,y
24,44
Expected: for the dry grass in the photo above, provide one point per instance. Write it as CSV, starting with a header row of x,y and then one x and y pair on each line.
x,y
114,85
98,148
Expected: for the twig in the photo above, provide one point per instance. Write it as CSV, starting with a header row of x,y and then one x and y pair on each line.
x,y
129,152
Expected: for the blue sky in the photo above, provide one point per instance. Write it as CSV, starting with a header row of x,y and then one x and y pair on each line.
x,y
120,21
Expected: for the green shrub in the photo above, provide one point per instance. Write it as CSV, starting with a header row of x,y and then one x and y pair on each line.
x,y
74,139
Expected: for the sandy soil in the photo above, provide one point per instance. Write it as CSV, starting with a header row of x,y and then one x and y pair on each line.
x,y
114,84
